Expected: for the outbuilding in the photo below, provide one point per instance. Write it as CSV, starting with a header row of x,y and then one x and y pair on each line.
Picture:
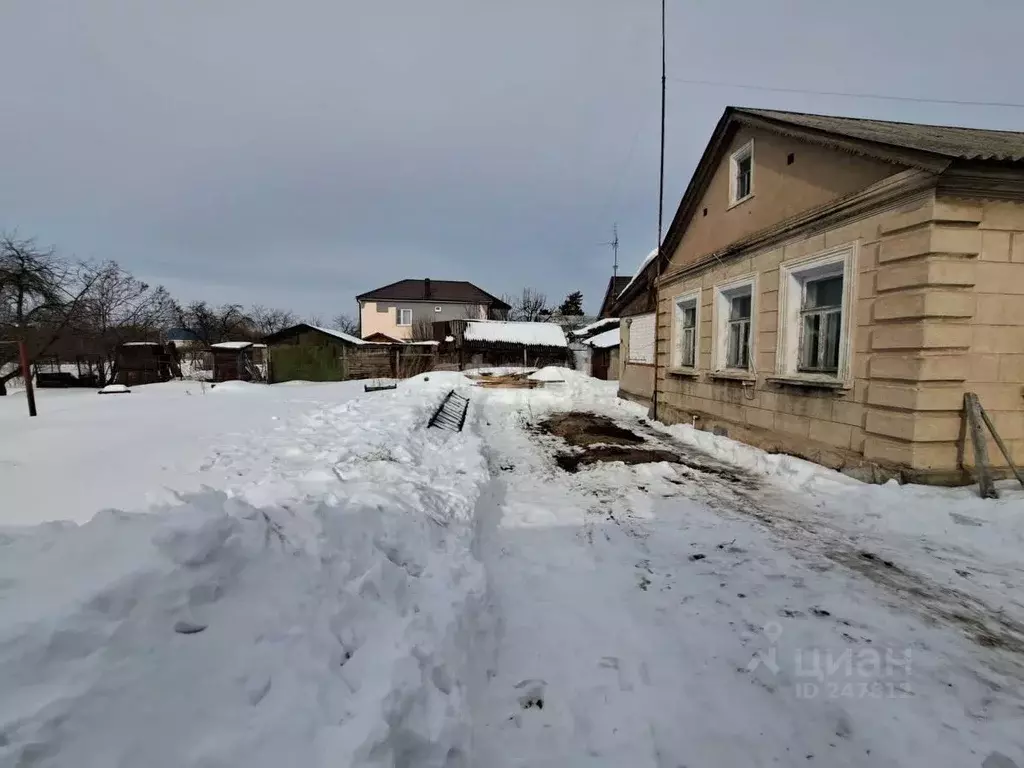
x,y
474,343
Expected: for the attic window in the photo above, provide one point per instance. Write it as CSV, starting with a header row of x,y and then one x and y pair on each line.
x,y
705,211
741,173
790,158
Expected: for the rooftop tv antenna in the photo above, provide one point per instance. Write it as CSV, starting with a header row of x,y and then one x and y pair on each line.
x,y
614,243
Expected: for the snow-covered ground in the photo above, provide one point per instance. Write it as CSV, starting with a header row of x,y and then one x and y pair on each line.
x,y
306,575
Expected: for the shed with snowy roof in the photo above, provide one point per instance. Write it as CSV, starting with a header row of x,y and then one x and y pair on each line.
x,y
307,352
472,343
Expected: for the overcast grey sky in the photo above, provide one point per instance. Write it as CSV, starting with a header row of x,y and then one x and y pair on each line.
x,y
296,153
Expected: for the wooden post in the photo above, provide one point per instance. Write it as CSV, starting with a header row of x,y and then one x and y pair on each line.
x,y
1001,444
972,409
26,373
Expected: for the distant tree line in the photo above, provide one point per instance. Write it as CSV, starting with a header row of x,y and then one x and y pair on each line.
x,y
64,307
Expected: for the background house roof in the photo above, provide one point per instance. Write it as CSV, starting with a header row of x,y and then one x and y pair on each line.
x,y
235,345
616,285
595,327
292,330
949,141
434,290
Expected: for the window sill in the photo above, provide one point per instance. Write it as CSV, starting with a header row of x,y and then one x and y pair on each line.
x,y
741,201
733,375
689,372
811,382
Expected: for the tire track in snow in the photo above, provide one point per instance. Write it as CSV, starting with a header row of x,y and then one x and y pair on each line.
x,y
659,675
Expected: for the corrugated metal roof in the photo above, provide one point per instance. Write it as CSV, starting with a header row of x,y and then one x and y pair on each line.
x,y
948,141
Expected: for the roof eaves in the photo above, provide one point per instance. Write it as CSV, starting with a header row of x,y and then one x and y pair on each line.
x,y
893,153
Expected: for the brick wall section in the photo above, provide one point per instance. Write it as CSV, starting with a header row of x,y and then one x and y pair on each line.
x,y
948,320
922,313
995,363
823,425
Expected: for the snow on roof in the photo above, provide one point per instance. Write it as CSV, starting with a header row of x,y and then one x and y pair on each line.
x,y
341,335
605,340
597,324
529,334
640,269
232,345
140,344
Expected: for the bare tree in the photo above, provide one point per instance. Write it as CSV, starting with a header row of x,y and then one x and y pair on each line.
x,y
346,324
266,321
315,319
529,306
32,281
40,294
210,325
422,330
119,308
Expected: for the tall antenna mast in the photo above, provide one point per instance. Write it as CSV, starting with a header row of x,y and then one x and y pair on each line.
x,y
615,249
659,259
614,243
661,169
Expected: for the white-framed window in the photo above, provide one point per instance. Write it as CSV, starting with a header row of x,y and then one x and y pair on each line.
x,y
815,314
741,173
437,308
686,325
404,317
734,313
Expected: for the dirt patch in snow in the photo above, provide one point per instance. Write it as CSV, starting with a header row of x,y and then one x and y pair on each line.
x,y
585,429
603,440
572,462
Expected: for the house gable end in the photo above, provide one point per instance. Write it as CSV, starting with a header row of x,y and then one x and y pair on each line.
x,y
790,176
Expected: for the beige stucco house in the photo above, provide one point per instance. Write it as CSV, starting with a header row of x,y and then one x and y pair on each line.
x,y
831,287
401,310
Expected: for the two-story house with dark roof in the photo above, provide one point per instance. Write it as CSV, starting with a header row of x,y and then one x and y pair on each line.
x,y
397,310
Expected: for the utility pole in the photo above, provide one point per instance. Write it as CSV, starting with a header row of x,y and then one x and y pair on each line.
x,y
658,260
661,170
26,373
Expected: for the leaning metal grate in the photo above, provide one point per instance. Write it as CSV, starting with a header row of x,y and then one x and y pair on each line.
x,y
451,413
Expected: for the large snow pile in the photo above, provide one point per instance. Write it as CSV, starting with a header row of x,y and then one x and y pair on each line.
x,y
529,334
114,389
551,373
323,611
